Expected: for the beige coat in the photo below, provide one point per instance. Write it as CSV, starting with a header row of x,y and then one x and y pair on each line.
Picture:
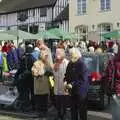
x,y
41,82
41,85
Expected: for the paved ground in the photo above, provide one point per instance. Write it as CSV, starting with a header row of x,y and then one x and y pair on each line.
x,y
13,118
8,118
92,115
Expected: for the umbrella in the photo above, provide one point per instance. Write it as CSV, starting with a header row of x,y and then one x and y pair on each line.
x,y
60,33
21,34
6,36
113,34
75,36
47,35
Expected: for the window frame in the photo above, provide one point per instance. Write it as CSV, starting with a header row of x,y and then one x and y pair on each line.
x,y
81,7
103,28
104,6
43,12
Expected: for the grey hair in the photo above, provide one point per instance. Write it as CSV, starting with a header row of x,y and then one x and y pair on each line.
x,y
76,52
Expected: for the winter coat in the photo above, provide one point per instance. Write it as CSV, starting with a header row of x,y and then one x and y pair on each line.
x,y
41,80
112,74
5,65
77,75
26,64
3,62
12,59
59,78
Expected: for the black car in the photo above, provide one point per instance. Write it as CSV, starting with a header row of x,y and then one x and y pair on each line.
x,y
96,64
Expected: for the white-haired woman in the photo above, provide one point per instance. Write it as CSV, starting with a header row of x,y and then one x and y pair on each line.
x,y
59,71
77,79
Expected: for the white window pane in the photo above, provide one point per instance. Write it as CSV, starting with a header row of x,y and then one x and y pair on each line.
x,y
105,4
81,6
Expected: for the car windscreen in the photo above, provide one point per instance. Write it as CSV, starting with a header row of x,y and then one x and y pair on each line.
x,y
91,63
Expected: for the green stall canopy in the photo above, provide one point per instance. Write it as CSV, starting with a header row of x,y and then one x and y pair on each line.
x,y
21,34
6,36
47,35
60,33
113,34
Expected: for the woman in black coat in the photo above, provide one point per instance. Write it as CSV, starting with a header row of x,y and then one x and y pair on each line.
x,y
77,80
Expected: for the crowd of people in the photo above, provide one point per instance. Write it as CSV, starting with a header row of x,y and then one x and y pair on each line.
x,y
92,46
35,64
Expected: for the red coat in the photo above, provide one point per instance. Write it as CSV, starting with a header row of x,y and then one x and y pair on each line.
x,y
113,74
5,49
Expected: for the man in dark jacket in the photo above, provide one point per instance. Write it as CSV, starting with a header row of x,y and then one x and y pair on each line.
x,y
76,78
24,77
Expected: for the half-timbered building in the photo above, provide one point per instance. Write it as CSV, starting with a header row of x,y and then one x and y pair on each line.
x,y
32,15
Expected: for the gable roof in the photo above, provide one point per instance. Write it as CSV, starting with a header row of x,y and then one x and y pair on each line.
x,y
9,6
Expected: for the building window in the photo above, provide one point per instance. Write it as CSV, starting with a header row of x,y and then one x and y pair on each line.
x,y
23,28
81,4
82,32
105,4
43,12
8,28
23,16
104,28
34,29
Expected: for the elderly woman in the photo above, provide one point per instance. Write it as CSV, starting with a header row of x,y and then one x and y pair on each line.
x,y
77,80
59,71
43,48
41,70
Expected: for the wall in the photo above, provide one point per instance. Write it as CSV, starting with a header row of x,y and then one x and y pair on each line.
x,y
64,25
94,16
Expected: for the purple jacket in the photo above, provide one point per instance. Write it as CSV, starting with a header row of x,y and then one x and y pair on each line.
x,y
77,75
12,59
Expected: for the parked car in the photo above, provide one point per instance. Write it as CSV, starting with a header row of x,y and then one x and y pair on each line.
x,y
96,64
